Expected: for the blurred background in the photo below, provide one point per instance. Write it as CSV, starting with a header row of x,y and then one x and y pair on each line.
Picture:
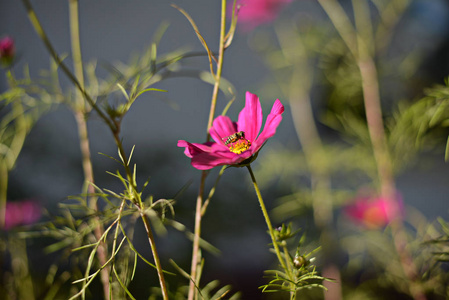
x,y
49,168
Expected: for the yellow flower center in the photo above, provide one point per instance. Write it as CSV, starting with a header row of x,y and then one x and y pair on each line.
x,y
239,146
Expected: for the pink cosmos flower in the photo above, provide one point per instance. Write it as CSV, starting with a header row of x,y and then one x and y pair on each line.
x,y
7,50
252,13
235,143
375,212
22,212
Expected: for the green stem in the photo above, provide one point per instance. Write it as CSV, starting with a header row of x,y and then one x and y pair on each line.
x,y
20,268
3,190
196,253
289,268
341,23
146,222
76,46
157,261
114,127
298,93
371,96
43,36
267,220
9,158
79,111
221,49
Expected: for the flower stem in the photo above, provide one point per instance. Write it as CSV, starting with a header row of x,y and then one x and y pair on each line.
x,y
298,93
79,111
359,47
43,36
138,203
221,49
267,220
3,191
289,269
196,253
114,127
9,158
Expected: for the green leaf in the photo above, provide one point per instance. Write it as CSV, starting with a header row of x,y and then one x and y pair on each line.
x,y
148,90
122,89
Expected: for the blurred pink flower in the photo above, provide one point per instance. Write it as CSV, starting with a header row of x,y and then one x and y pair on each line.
x,y
7,50
235,142
22,212
252,13
375,212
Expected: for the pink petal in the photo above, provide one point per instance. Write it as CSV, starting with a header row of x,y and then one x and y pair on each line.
x,y
238,158
22,212
221,128
374,212
253,13
273,120
193,149
250,118
209,160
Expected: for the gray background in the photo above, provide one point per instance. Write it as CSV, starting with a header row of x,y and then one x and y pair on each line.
x,y
49,167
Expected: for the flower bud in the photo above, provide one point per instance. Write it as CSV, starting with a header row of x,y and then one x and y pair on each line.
x,y
300,261
284,232
7,51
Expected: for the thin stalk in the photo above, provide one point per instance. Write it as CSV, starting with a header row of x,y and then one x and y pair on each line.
x,y
144,217
390,15
114,127
314,153
196,253
43,36
118,226
20,270
76,47
10,156
267,220
79,111
371,97
290,267
212,191
3,191
341,23
221,49
298,93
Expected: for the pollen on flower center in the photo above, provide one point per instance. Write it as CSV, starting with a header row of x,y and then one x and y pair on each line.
x,y
240,146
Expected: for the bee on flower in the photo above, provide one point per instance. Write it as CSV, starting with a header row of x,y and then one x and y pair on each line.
x,y
235,143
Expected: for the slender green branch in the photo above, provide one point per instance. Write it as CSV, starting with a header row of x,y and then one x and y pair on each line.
x,y
76,47
9,158
112,125
196,253
157,262
267,220
146,222
221,49
341,23
84,140
196,259
289,269
390,16
212,191
3,191
79,111
371,96
40,31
